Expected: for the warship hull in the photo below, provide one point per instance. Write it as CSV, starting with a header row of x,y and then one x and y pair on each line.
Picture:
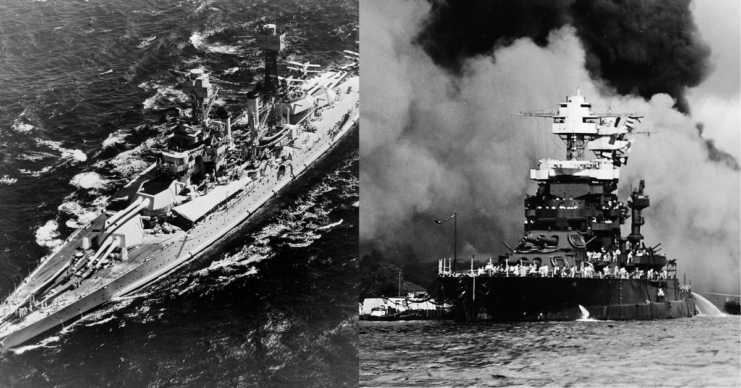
x,y
510,299
158,256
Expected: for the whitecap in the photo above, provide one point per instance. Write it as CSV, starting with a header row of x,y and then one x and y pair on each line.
x,y
72,208
89,180
219,48
196,40
166,93
7,180
35,174
43,344
330,225
70,154
74,155
83,216
102,321
117,137
21,127
33,156
46,235
147,41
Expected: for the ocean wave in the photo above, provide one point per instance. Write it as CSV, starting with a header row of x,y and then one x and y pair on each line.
x,y
21,127
114,138
43,344
74,156
146,42
90,180
102,321
329,226
198,41
35,174
82,216
34,156
203,4
129,163
165,95
8,180
46,235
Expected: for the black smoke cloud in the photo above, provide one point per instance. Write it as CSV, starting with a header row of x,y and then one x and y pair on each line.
x,y
635,47
716,154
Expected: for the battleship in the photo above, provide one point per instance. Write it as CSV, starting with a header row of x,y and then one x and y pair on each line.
x,y
573,262
213,174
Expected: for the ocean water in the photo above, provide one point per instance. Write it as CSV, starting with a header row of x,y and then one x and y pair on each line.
x,y
87,93
688,352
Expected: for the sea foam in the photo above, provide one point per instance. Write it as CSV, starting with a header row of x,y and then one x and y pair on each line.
x,y
89,180
46,235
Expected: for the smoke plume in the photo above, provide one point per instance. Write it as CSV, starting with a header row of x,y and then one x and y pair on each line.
x,y
635,47
716,154
440,136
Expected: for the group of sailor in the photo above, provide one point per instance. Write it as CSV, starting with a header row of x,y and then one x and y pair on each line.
x,y
537,270
611,255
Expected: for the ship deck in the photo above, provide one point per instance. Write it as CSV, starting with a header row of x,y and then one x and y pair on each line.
x,y
55,264
200,206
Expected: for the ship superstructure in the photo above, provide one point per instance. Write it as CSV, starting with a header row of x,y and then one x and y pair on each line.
x,y
214,173
573,259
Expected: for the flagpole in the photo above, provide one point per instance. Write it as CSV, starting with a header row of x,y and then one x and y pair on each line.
x,y
455,239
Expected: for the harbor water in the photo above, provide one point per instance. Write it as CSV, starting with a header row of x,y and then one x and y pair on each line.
x,y
87,87
688,352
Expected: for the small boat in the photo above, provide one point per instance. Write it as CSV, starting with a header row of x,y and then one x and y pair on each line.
x,y
733,305
383,313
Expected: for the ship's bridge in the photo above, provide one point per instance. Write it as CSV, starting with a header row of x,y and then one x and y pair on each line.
x,y
575,116
598,169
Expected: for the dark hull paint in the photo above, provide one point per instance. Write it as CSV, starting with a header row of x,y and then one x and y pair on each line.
x,y
508,299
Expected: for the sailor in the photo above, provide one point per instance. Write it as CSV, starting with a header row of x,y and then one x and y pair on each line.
x,y
543,270
661,295
623,273
489,268
566,271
